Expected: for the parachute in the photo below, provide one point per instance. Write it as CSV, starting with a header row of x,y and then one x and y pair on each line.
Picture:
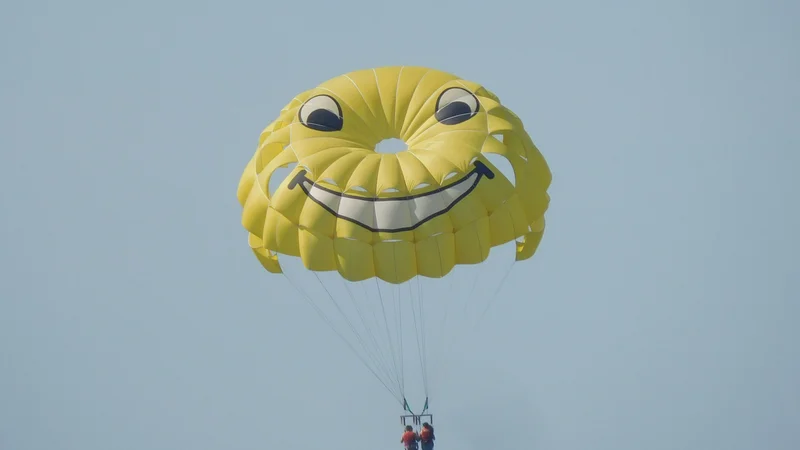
x,y
376,241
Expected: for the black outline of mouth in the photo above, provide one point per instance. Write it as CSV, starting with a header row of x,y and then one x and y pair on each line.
x,y
480,169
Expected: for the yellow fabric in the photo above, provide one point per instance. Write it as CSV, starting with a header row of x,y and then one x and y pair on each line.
x,y
423,231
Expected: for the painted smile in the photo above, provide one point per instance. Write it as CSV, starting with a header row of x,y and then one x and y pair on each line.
x,y
392,215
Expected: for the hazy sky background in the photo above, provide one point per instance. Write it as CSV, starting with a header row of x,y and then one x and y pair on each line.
x,y
660,311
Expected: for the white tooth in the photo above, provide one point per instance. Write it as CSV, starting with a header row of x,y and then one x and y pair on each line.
x,y
362,211
327,198
450,195
427,206
393,215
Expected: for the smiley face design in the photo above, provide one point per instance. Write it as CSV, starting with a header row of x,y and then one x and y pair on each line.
x,y
349,207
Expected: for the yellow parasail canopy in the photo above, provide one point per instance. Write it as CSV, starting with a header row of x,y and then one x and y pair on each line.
x,y
440,203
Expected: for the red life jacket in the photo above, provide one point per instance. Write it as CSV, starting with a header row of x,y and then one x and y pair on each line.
x,y
410,439
426,434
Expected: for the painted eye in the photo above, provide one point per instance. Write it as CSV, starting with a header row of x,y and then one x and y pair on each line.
x,y
456,105
321,113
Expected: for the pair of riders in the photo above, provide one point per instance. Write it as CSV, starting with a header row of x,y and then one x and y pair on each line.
x,y
425,437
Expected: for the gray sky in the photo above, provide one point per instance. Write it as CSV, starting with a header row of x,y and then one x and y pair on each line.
x,y
659,312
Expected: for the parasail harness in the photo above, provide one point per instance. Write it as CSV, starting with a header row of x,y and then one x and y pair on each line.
x,y
415,419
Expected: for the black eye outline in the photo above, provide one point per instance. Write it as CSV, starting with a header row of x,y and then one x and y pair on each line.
x,y
456,111
321,117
